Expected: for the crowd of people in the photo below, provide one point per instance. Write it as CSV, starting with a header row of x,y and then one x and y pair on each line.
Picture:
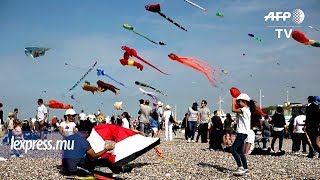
x,y
240,136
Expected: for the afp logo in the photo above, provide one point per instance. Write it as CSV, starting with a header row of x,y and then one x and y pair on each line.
x,y
297,16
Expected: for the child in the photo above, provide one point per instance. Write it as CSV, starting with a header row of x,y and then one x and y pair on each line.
x,y
154,120
243,101
17,135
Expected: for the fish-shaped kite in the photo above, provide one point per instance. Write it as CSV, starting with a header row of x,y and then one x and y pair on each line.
x,y
88,87
201,66
35,52
155,8
105,86
129,62
148,86
129,52
196,5
101,72
151,94
301,38
130,28
81,79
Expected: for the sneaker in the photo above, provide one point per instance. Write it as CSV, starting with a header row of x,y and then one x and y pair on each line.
x,y
271,151
246,171
265,149
193,141
2,159
211,149
239,171
304,153
189,139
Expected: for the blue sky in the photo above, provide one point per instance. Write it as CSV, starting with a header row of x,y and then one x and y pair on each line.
x,y
82,32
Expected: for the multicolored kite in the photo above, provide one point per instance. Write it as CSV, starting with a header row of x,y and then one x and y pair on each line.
x,y
81,79
148,86
105,86
35,52
129,52
129,62
101,72
156,9
301,38
151,94
130,28
196,5
201,66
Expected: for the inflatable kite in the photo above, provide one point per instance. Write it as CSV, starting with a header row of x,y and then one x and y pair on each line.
x,y
129,62
118,105
81,79
155,8
201,66
151,94
129,52
301,38
130,28
35,52
219,14
88,87
196,5
105,86
251,35
58,105
129,144
235,92
148,86
101,72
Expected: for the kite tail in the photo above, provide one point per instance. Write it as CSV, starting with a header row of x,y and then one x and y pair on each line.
x,y
150,64
144,37
115,80
170,20
83,76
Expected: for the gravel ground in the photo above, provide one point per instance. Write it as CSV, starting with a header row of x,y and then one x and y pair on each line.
x,y
190,161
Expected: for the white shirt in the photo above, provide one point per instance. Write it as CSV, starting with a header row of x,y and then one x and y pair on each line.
x,y
298,121
193,115
243,121
166,115
68,128
125,123
41,111
82,116
250,139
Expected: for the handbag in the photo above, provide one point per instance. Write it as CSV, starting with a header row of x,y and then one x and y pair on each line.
x,y
171,118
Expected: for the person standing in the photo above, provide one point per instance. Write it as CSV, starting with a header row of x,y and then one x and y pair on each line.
x,y
144,117
168,125
193,118
312,125
278,122
298,124
41,117
82,116
1,120
204,113
217,132
243,119
15,112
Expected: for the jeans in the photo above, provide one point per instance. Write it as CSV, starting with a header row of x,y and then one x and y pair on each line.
x,y
313,133
237,150
300,137
192,126
276,135
265,138
143,127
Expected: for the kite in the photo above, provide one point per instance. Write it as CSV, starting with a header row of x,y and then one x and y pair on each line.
x,y
161,155
219,14
129,62
58,105
105,86
224,71
148,86
196,5
35,52
201,66
72,97
88,87
314,28
130,28
131,52
151,94
101,72
155,8
118,105
162,43
44,92
251,35
243,54
301,38
81,79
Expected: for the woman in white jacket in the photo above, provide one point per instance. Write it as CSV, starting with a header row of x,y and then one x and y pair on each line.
x,y
168,125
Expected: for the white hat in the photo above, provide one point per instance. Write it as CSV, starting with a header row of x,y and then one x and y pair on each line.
x,y
168,107
243,96
160,103
70,112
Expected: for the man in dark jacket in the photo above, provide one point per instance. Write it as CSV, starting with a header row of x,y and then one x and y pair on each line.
x,y
217,132
312,124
